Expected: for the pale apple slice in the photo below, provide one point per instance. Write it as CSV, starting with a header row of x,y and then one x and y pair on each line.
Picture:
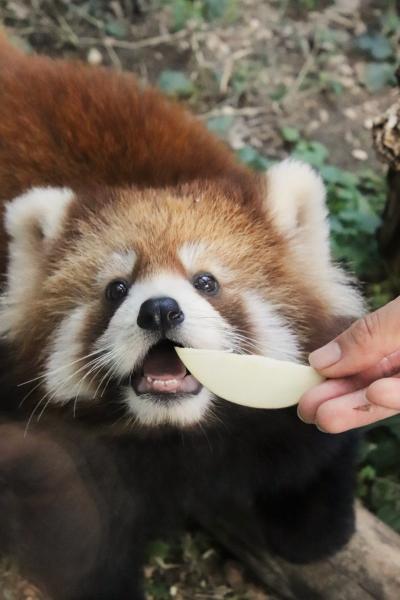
x,y
249,380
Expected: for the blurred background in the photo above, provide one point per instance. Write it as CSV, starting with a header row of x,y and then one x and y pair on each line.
x,y
271,78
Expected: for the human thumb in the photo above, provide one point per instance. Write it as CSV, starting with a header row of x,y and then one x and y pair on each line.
x,y
364,344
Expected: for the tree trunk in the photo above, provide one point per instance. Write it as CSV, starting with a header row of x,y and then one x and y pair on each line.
x,y
389,232
386,135
367,568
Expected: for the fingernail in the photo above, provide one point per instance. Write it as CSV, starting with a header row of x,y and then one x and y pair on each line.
x,y
326,356
301,418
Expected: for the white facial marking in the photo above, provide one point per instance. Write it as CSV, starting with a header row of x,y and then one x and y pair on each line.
x,y
65,374
274,335
38,210
119,264
185,412
203,326
190,254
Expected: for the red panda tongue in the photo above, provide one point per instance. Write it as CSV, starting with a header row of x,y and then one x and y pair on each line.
x,y
162,362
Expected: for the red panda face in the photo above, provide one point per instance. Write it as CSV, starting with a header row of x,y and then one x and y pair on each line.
x,y
109,282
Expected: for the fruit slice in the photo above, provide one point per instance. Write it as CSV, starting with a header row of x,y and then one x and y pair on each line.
x,y
249,380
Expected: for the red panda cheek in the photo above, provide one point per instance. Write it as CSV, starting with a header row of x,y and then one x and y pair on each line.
x,y
233,310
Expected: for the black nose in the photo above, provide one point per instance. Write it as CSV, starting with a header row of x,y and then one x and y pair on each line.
x,y
160,314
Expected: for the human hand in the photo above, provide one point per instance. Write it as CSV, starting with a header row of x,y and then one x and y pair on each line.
x,y
362,367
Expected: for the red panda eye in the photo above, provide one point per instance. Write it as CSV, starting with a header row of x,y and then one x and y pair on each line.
x,y
116,290
206,283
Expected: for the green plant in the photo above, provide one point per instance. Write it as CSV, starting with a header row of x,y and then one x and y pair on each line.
x,y
302,4
379,473
183,11
253,158
176,83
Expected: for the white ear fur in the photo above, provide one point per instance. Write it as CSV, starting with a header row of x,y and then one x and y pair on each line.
x,y
30,220
41,209
296,202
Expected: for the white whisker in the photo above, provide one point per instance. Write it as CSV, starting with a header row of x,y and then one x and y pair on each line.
x,y
53,371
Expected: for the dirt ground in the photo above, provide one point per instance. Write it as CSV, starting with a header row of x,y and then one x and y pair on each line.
x,y
254,70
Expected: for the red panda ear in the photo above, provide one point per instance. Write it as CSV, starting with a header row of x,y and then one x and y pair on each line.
x,y
37,214
30,220
295,201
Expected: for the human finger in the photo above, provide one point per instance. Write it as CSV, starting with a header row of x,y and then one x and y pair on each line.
x,y
333,388
349,412
385,392
363,345
313,398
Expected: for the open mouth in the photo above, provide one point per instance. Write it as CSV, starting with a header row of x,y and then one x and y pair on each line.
x,y
162,372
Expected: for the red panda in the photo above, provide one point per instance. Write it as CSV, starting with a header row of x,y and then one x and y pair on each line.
x,y
128,229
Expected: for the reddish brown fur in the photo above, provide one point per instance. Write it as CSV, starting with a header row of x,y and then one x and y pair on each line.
x,y
172,183
71,124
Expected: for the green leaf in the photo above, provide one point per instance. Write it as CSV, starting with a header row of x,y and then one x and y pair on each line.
x,y
117,28
252,158
390,21
219,9
278,93
370,180
385,499
158,590
389,513
290,134
159,549
378,46
330,84
336,227
332,174
184,10
394,426
175,83
368,219
385,456
313,153
349,179
331,35
376,76
335,86
347,194
220,125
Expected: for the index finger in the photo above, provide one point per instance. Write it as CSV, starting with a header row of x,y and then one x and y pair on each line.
x,y
363,345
